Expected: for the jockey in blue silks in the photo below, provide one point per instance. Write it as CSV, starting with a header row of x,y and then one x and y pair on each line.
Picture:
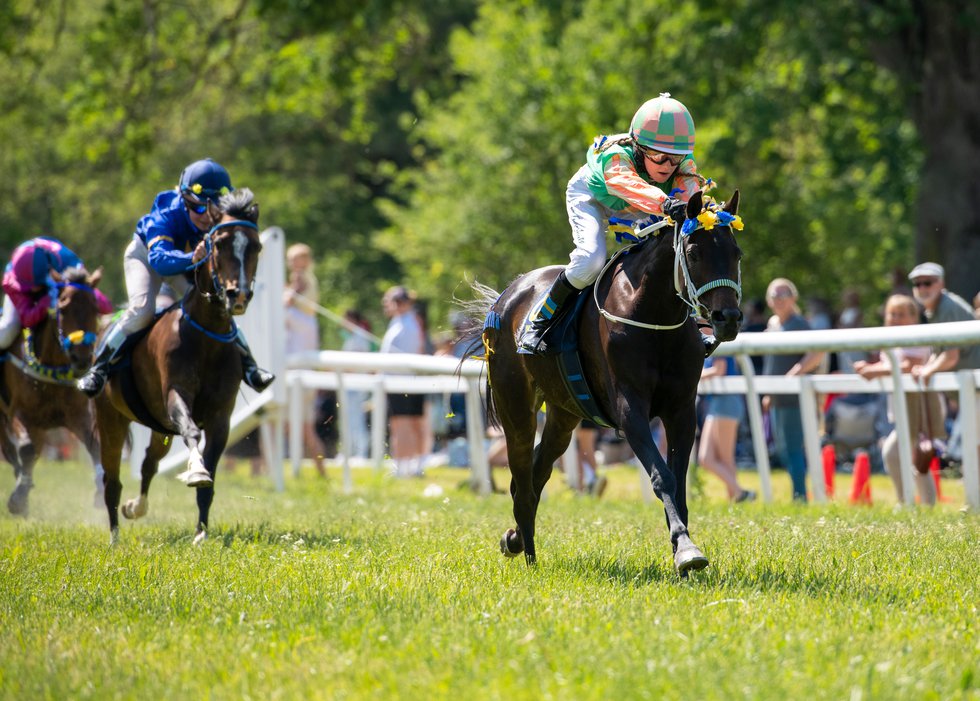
x,y
161,251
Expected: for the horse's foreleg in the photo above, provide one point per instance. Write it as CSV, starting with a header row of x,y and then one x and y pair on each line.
x,y
178,409
665,481
10,452
214,446
26,447
159,446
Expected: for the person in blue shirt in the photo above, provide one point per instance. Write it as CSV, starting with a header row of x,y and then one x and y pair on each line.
x,y
161,251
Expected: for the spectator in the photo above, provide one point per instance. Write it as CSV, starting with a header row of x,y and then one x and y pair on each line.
x,y
406,411
940,305
356,399
851,317
724,412
300,298
590,481
754,321
784,409
925,411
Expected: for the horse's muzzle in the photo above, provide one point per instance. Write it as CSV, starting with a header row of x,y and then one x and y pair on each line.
x,y
237,300
725,323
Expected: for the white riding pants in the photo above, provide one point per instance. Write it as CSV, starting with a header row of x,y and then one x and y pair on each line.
x,y
9,324
143,284
589,220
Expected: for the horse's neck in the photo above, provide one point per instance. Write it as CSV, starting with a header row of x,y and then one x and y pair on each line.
x,y
208,314
650,270
44,343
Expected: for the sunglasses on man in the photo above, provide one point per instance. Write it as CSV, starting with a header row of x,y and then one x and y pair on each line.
x,y
924,283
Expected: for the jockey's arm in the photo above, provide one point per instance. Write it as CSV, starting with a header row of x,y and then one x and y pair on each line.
x,y
31,308
624,182
162,256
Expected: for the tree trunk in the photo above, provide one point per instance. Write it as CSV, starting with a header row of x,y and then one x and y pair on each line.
x,y
948,120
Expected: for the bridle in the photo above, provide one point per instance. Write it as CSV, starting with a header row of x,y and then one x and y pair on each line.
x,y
209,250
34,367
214,297
683,285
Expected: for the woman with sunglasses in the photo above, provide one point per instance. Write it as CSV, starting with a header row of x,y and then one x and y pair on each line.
x,y
29,290
161,251
626,178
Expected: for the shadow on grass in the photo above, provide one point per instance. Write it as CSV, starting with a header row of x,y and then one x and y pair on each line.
x,y
266,534
798,578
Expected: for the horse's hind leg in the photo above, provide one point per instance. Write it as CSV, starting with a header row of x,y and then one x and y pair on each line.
x,y
517,418
158,448
113,428
555,438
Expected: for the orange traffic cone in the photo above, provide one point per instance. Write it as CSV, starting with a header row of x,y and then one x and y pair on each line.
x,y
829,469
861,487
934,471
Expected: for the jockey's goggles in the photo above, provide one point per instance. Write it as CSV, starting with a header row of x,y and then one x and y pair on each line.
x,y
195,205
659,157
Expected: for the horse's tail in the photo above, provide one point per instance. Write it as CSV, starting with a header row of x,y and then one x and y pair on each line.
x,y
478,333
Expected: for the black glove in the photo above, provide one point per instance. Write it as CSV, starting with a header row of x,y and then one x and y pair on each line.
x,y
675,209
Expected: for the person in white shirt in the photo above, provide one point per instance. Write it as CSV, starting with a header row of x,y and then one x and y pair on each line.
x,y
406,412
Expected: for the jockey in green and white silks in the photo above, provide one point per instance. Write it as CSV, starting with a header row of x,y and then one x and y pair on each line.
x,y
161,251
626,178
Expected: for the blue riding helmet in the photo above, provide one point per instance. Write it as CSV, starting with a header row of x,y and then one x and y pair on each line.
x,y
205,180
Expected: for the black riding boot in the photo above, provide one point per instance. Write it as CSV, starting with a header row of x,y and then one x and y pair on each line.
x,y
254,376
92,382
534,337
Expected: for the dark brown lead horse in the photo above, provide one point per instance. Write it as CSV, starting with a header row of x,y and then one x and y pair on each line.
x,y
187,369
37,381
642,354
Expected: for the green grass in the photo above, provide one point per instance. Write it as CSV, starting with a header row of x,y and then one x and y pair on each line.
x,y
389,594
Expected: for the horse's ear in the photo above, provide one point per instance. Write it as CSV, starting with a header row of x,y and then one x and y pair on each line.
x,y
56,276
252,213
214,211
694,205
732,205
95,278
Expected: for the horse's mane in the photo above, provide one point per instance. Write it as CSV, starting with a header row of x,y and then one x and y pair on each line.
x,y
75,274
241,204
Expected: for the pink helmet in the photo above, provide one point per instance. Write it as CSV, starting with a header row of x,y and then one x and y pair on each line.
x,y
664,124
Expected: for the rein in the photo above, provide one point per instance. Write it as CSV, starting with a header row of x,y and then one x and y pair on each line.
x,y
683,285
34,367
212,297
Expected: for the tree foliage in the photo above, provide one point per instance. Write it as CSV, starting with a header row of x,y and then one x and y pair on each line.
x,y
430,142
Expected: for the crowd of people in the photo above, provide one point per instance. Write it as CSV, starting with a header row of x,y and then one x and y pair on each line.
x,y
157,257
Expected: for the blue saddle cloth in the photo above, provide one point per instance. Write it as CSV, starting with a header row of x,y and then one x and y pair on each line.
x,y
565,335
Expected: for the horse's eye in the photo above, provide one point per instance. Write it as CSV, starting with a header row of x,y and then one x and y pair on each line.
x,y
693,254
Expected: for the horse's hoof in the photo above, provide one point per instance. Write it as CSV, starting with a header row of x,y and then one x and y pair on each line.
x,y
200,537
505,544
196,478
689,559
134,509
17,506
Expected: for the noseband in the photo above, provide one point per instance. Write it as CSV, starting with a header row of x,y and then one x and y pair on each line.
x,y
683,285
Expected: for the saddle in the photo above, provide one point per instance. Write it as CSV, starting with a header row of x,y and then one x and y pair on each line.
x,y
122,367
565,334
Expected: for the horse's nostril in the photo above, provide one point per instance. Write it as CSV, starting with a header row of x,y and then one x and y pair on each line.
x,y
232,292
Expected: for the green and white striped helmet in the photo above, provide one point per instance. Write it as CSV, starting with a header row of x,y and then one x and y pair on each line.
x,y
663,124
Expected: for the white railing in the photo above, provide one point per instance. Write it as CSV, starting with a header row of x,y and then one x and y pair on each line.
x,y
964,382
344,371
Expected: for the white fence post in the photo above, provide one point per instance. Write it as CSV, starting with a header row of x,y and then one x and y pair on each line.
x,y
811,438
759,444
968,433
